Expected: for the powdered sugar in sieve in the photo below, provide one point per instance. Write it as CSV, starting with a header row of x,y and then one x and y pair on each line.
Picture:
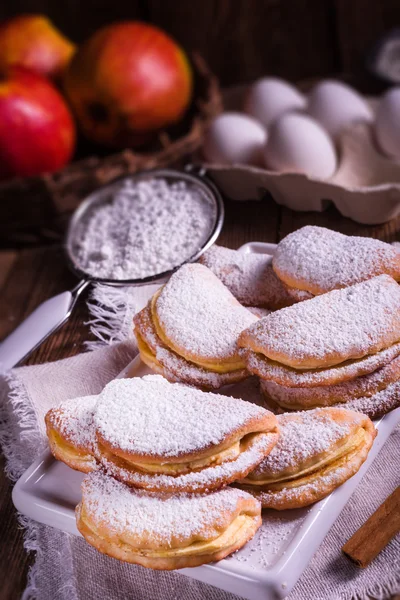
x,y
143,227
135,230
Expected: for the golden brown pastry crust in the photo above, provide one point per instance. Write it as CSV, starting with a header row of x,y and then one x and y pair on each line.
x,y
169,437
198,318
305,398
374,407
328,330
318,260
236,519
319,475
251,278
253,449
173,367
70,440
270,370
68,454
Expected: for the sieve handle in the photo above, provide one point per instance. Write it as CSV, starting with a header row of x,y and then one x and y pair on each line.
x,y
41,323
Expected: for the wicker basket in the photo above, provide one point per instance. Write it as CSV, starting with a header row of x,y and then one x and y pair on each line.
x,y
35,210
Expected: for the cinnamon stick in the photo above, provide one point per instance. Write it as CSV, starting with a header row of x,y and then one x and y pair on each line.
x,y
373,536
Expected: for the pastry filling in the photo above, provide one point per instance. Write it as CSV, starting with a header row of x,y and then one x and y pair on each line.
x,y
351,361
147,355
302,477
66,450
226,455
230,453
234,533
151,360
287,397
231,363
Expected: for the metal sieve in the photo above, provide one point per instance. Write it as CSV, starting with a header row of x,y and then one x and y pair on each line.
x,y
52,313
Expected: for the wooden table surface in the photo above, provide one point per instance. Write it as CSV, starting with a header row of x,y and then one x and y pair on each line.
x,y
29,276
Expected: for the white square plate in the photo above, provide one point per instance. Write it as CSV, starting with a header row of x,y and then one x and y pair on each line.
x,y
268,567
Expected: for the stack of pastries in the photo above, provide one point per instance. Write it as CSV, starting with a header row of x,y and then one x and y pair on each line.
x,y
176,474
341,347
188,332
159,458
317,451
317,260
308,262
177,477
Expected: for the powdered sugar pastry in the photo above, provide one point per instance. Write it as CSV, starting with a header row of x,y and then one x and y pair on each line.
x,y
203,480
74,420
331,328
379,404
150,416
327,395
176,368
199,313
302,438
285,376
319,260
250,278
163,519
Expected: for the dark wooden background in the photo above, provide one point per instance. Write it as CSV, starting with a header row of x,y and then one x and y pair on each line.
x,y
242,39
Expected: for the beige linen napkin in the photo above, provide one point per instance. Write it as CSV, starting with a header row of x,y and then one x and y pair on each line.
x,y
67,568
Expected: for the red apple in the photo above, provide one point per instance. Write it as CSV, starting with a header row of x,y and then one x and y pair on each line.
x,y
32,41
126,82
37,132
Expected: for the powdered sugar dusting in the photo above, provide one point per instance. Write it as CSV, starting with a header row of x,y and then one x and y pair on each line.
x,y
198,481
302,437
271,540
199,313
314,489
334,327
146,228
379,404
74,421
175,367
152,417
270,370
322,260
159,519
250,277
328,395
178,369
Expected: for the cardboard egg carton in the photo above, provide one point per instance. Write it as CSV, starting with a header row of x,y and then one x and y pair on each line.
x,y
365,186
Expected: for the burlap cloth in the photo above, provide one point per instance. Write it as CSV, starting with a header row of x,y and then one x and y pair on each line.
x,y
67,568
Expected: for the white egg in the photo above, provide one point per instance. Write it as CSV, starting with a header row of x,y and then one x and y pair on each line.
x,y
387,124
234,138
336,105
298,144
269,98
